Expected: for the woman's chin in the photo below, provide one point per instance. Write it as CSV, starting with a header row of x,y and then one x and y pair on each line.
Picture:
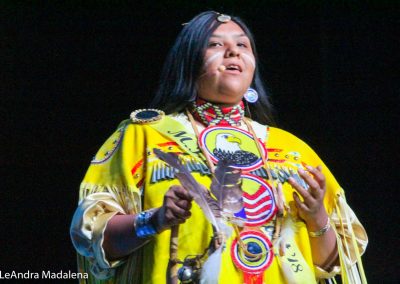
x,y
228,100
232,95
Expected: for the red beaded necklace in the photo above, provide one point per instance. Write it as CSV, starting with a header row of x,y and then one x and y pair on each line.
x,y
210,114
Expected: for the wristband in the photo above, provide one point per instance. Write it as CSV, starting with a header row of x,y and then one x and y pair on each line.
x,y
322,231
143,226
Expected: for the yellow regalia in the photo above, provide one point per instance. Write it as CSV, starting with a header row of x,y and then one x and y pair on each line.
x,y
126,177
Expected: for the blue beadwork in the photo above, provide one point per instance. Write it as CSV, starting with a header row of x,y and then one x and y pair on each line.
x,y
146,114
143,227
254,248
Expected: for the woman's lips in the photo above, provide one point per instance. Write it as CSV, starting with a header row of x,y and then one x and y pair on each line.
x,y
234,67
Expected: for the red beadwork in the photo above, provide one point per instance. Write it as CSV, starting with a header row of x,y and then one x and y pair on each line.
x,y
210,114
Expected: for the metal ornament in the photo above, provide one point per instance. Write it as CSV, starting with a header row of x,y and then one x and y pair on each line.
x,y
223,18
251,95
143,116
190,270
185,274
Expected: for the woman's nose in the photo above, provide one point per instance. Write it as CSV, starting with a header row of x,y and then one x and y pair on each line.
x,y
232,51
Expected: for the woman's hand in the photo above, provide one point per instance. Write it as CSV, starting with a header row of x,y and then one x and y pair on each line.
x,y
175,209
312,209
313,212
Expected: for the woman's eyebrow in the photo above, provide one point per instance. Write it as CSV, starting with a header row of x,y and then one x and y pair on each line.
x,y
224,36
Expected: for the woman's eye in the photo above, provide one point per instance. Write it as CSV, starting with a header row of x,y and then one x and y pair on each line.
x,y
214,44
241,44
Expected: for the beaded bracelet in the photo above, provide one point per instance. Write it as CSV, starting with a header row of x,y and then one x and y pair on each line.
x,y
322,231
143,225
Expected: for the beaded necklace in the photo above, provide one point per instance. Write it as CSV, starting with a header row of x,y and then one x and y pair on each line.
x,y
211,114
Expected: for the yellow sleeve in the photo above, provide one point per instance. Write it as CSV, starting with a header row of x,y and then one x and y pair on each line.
x,y
111,168
108,188
351,236
297,152
87,231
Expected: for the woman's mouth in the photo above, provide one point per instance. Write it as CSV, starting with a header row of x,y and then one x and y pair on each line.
x,y
233,67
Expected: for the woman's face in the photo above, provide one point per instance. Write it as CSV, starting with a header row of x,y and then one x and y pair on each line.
x,y
229,66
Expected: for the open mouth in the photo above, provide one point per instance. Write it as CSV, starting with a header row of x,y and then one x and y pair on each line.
x,y
234,67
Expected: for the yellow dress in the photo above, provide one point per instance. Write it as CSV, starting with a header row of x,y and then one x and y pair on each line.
x,y
126,177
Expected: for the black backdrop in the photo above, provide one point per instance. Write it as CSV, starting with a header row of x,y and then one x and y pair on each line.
x,y
71,72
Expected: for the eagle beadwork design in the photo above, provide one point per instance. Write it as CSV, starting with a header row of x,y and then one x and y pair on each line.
x,y
227,147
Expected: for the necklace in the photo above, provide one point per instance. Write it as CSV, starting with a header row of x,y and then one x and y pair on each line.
x,y
211,114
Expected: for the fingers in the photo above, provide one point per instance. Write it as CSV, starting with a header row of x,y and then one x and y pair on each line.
x,y
301,190
312,205
308,179
175,215
178,192
177,205
179,212
300,205
314,179
318,176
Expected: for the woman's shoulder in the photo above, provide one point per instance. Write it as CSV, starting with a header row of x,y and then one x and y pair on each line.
x,y
276,134
153,121
141,118
282,139
279,133
146,116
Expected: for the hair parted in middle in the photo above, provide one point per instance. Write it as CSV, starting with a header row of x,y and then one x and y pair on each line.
x,y
182,68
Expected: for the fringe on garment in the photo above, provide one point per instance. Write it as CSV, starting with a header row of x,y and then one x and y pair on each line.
x,y
350,273
129,199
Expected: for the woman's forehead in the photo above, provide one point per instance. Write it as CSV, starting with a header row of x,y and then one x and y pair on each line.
x,y
229,29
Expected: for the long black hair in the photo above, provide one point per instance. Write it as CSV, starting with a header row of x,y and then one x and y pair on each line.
x,y
177,88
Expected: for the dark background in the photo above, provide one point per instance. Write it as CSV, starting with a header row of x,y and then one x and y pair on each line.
x,y
70,72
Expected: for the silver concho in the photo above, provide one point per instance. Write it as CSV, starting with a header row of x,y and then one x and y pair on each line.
x,y
251,95
223,18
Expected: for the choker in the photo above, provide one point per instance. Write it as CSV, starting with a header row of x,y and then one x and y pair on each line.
x,y
210,114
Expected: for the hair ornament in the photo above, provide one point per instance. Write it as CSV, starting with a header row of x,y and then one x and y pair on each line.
x,y
223,18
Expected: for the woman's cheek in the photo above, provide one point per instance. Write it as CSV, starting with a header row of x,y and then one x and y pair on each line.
x,y
213,59
249,60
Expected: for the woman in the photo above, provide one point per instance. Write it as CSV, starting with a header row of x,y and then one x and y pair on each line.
x,y
289,223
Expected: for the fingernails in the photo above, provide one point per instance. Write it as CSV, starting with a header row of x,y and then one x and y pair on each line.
x,y
301,171
309,168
